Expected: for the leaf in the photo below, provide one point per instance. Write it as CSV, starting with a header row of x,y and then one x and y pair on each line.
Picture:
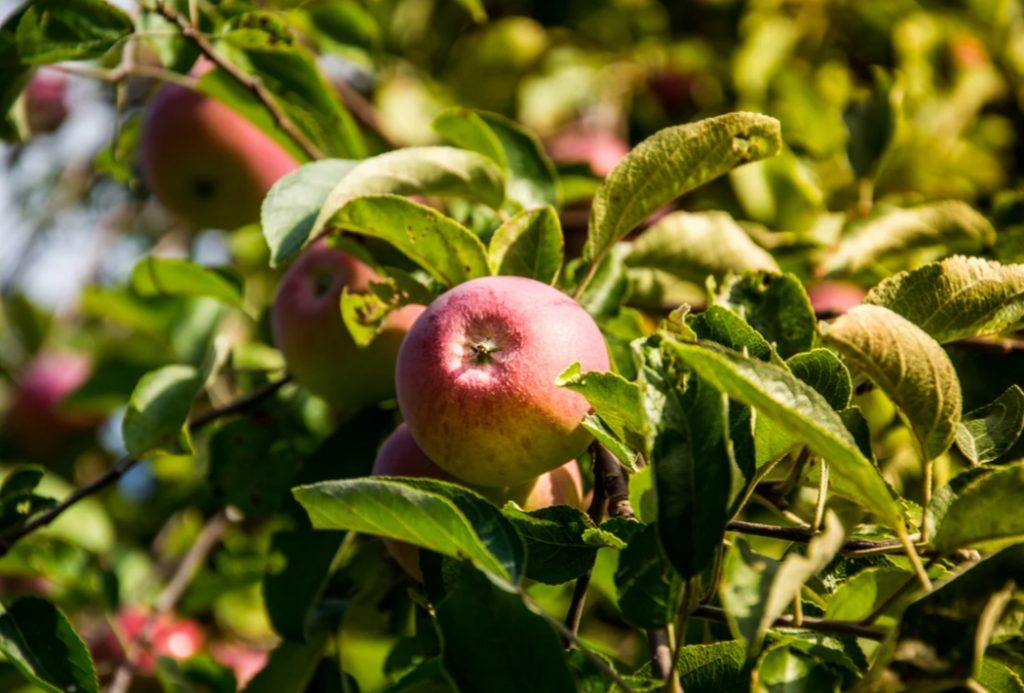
x,y
613,398
786,669
871,124
942,636
721,325
693,246
756,590
969,520
158,409
529,245
713,668
997,677
164,276
669,163
776,306
822,370
290,666
464,128
439,516
555,549
18,498
909,366
988,433
450,252
950,224
798,409
40,641
292,205
648,588
481,626
52,31
863,593
609,288
475,8
263,45
418,171
957,298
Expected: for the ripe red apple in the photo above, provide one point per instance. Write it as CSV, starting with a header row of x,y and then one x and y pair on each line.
x,y
602,150
317,347
45,101
400,455
831,298
476,379
170,636
206,162
35,421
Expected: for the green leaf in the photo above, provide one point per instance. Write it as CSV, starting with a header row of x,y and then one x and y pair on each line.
x,y
957,298
613,398
290,666
693,246
609,288
776,306
909,366
482,626
942,636
443,247
969,519
475,8
863,593
787,669
164,276
439,516
465,128
555,549
669,163
263,45
988,433
158,410
418,171
197,674
798,409
21,480
292,205
871,123
713,668
951,225
757,590
529,245
40,641
997,677
822,370
51,31
648,588
18,499
723,326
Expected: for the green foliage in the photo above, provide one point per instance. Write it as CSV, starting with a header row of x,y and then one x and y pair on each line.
x,y
39,640
54,30
987,433
529,245
158,409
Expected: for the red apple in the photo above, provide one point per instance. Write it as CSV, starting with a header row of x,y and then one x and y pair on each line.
x,y
317,347
400,455
245,661
206,162
169,637
831,298
476,379
600,149
45,101
35,420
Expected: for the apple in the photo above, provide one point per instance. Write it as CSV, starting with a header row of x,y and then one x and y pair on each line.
x,y
244,660
35,420
170,636
205,162
318,349
400,455
476,379
602,150
831,298
46,101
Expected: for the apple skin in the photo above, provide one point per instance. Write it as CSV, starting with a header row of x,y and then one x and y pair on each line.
x,y
400,455
205,162
832,298
476,379
35,421
170,637
600,149
46,102
318,349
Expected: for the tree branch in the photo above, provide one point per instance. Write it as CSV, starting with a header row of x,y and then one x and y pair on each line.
x,y
574,615
821,625
252,83
121,467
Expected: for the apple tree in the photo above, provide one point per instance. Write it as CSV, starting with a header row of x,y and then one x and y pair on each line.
x,y
393,345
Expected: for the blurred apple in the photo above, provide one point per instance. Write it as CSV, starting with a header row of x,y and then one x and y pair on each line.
x,y
35,420
170,636
831,298
46,101
206,162
602,150
244,660
318,349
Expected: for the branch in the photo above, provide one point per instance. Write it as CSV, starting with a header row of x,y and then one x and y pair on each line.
x,y
364,111
821,625
252,83
121,467
574,615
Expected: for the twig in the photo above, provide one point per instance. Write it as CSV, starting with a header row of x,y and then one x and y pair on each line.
x,y
821,625
207,540
364,111
121,467
574,615
819,506
122,72
661,653
914,556
927,480
804,535
252,83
